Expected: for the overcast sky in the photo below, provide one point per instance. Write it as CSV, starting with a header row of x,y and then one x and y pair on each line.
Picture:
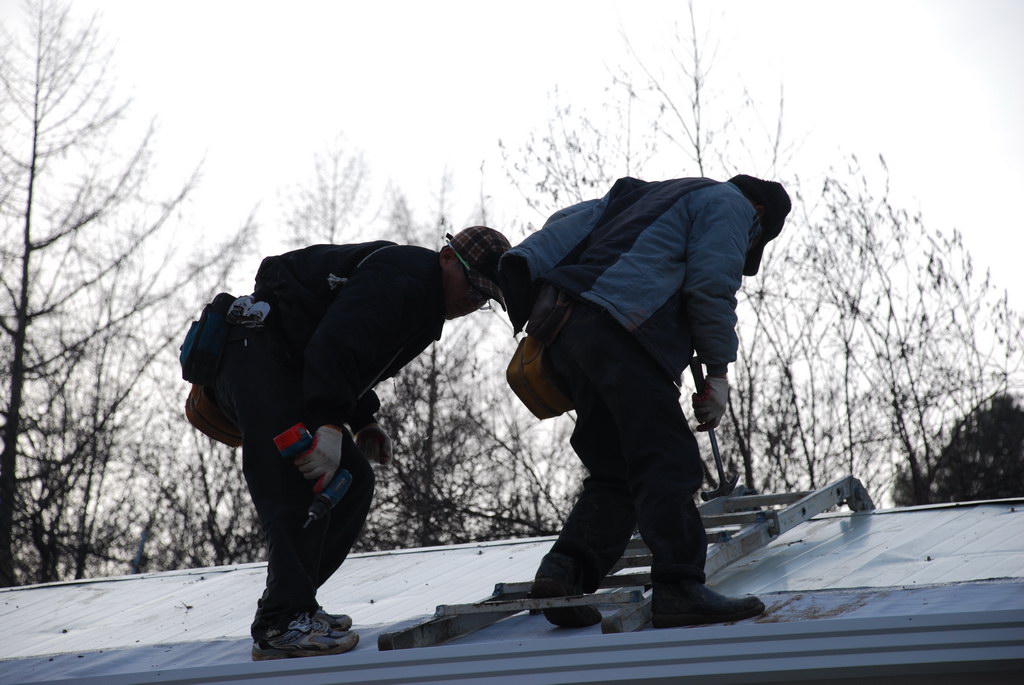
x,y
257,88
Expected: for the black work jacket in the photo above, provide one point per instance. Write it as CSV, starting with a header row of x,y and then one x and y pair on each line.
x,y
348,317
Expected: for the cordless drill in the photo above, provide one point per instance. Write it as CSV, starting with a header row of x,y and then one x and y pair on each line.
x,y
295,442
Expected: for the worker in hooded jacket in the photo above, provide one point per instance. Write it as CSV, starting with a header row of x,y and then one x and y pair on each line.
x,y
324,325
636,283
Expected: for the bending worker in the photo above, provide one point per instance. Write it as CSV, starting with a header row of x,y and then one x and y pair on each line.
x,y
624,290
341,319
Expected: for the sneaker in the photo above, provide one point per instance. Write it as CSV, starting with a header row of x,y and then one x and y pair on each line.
x,y
689,602
557,577
304,636
336,622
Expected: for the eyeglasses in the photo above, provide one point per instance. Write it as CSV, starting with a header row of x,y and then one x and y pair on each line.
x,y
478,297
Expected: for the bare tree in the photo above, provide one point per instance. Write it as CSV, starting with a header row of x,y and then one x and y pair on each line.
x,y
565,164
327,209
652,119
203,499
657,121
90,306
921,337
865,336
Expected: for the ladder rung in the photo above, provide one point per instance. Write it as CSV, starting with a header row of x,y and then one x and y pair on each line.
x,y
636,544
633,562
641,579
503,590
767,500
734,519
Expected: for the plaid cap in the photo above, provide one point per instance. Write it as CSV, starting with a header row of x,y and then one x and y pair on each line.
x,y
479,248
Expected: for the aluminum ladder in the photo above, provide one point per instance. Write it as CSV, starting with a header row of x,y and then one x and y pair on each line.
x,y
736,525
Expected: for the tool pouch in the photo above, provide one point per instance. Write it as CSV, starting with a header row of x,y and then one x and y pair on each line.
x,y
202,411
530,374
551,309
204,343
535,382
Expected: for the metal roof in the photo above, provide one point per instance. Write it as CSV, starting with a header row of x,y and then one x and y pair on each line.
x,y
861,591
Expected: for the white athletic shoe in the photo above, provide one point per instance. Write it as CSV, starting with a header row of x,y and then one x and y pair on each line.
x,y
337,622
305,636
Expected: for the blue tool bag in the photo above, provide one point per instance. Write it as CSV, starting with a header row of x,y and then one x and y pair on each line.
x,y
204,343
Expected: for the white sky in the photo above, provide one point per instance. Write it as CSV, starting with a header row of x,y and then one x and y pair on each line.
x,y
258,87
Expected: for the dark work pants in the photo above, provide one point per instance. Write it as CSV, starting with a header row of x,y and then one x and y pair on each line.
x,y
264,398
644,465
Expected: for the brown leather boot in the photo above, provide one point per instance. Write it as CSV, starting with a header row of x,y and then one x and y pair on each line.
x,y
690,602
558,576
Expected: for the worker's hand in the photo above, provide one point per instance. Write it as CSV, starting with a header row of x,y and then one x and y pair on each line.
x,y
709,406
321,460
375,444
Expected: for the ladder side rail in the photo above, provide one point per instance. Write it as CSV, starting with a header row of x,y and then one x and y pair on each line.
x,y
629,619
845,490
435,631
758,535
517,605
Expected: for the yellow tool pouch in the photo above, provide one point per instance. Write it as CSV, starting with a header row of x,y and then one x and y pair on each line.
x,y
534,381
202,411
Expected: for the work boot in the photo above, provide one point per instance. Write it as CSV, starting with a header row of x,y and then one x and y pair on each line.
x,y
690,602
558,576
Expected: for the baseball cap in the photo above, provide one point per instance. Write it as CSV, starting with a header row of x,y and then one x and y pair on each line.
x,y
479,248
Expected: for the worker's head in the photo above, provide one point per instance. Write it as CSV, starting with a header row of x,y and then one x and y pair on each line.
x,y
469,269
771,201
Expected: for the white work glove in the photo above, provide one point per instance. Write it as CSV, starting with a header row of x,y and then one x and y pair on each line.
x,y
709,406
375,444
321,460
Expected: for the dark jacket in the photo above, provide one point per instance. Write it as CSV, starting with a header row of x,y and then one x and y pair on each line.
x,y
665,259
348,328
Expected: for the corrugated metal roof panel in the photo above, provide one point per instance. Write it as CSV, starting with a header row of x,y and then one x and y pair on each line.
x,y
969,648
203,604
887,549
860,565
